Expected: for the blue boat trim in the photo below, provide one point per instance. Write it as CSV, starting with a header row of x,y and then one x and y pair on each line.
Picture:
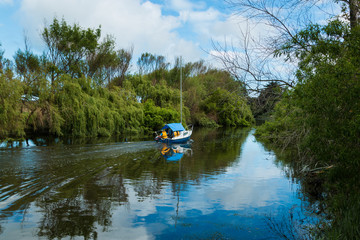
x,y
174,127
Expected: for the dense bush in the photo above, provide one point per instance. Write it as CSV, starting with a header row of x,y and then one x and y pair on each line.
x,y
227,109
12,119
320,119
322,111
156,117
84,89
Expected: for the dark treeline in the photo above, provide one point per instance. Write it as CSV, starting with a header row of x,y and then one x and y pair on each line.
x,y
81,86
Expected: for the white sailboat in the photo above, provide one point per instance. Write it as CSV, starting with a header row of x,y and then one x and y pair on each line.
x,y
175,132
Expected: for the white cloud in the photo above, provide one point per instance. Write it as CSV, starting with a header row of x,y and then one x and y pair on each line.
x,y
185,5
180,5
131,22
200,16
137,22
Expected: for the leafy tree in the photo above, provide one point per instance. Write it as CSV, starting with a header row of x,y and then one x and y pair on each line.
x,y
264,103
156,117
320,117
152,65
227,109
29,67
5,64
11,116
188,70
108,66
161,93
121,66
68,46
101,61
1,58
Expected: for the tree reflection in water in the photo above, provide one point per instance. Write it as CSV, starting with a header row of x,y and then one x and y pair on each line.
x,y
77,189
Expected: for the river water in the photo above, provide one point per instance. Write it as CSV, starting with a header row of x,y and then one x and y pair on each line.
x,y
222,185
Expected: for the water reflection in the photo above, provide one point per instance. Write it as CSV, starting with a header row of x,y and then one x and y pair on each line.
x,y
174,152
220,186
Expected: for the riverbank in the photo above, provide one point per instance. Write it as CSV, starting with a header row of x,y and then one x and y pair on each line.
x,y
333,192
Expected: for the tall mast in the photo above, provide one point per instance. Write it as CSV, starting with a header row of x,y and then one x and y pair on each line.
x,y
180,89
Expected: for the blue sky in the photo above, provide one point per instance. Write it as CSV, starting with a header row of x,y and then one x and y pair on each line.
x,y
164,27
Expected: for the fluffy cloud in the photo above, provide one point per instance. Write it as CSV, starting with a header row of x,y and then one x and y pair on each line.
x,y
130,21
140,23
185,5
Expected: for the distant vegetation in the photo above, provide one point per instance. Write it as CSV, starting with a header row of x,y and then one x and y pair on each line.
x,y
82,86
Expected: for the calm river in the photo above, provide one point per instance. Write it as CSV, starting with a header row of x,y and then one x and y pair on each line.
x,y
224,185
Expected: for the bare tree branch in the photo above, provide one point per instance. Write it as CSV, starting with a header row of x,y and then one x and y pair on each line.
x,y
253,61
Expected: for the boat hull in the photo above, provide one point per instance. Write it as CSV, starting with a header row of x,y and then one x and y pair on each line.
x,y
171,140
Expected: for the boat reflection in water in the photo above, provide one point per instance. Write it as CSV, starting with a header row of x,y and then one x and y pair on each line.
x,y
174,152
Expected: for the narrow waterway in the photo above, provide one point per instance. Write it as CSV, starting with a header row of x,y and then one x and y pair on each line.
x,y
223,185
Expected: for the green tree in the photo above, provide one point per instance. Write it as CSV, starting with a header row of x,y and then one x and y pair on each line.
x,y
68,46
156,117
227,109
155,66
1,58
29,68
106,66
101,61
121,66
11,117
263,105
320,117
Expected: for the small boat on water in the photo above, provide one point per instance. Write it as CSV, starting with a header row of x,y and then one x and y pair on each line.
x,y
174,133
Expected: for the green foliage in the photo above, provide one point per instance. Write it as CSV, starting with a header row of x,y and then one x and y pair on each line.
x,y
1,58
225,106
227,109
97,111
201,119
80,87
152,65
214,79
101,60
285,128
320,118
215,98
328,90
43,117
263,105
68,46
156,117
11,116
107,66
331,102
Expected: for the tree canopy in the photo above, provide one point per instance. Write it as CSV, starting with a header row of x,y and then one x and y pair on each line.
x,y
81,86
319,117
